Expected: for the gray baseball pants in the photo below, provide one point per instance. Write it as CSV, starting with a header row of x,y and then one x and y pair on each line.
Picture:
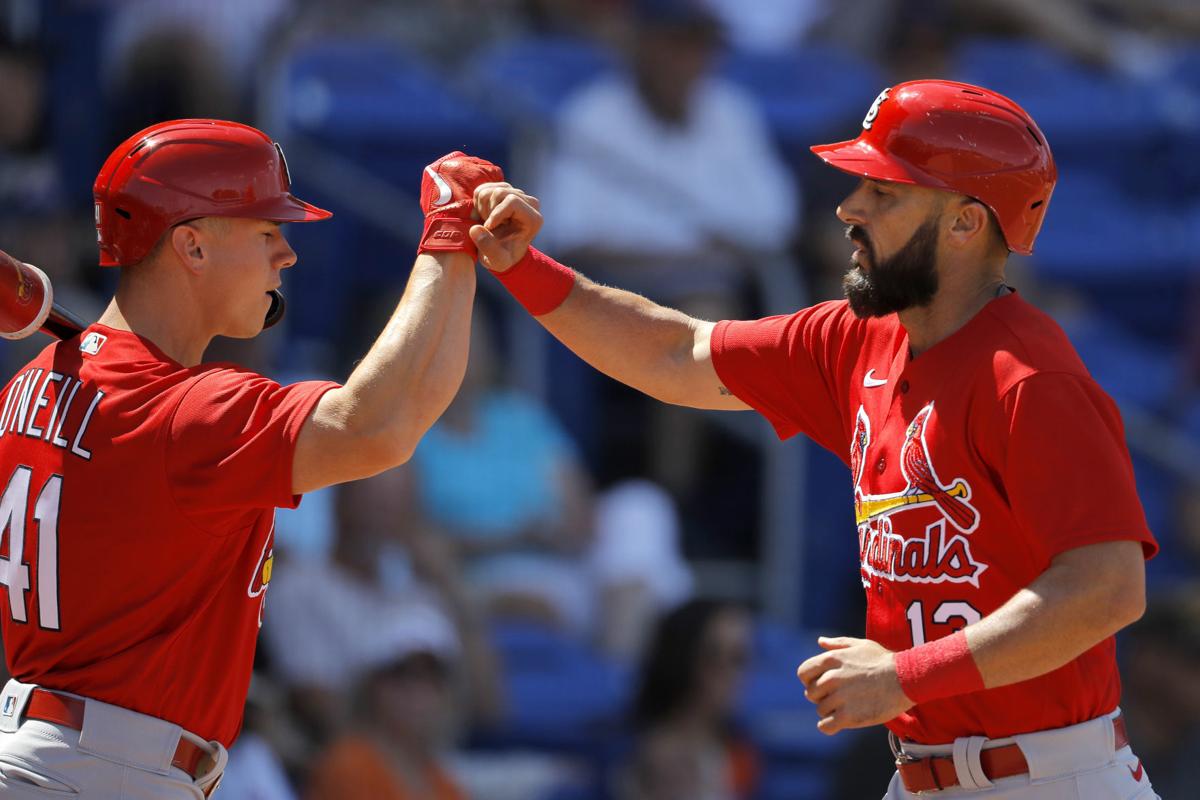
x,y
1079,762
118,755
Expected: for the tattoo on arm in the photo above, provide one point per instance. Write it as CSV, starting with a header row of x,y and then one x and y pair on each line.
x,y
724,391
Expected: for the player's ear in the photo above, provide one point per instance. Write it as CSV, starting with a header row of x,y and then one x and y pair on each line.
x,y
969,222
188,242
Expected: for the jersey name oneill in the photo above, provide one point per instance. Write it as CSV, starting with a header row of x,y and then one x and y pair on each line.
x,y
138,524
973,466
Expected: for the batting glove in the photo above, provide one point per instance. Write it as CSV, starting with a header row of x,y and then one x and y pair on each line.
x,y
447,189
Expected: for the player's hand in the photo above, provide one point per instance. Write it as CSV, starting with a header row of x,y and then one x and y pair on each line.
x,y
448,200
510,221
853,684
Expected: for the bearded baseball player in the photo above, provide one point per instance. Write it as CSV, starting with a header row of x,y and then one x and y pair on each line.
x,y
1002,540
140,483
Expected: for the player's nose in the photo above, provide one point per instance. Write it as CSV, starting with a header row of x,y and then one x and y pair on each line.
x,y
851,210
286,256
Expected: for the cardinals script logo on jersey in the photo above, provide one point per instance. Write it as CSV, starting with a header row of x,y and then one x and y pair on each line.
x,y
920,533
262,573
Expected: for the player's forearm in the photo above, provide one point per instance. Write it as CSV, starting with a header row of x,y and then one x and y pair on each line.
x,y
1086,595
415,367
631,339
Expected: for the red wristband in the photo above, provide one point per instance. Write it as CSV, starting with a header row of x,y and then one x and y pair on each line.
x,y
943,668
538,282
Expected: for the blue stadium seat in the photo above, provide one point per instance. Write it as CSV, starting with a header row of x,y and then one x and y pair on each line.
x,y
372,114
809,94
1131,370
562,696
1088,116
528,79
780,721
371,103
78,122
1133,259
1183,98
791,781
1075,106
372,92
1157,489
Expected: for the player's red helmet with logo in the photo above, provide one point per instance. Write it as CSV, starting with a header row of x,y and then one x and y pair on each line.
x,y
961,138
184,169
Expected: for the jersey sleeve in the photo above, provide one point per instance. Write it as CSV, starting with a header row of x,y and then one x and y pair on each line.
x,y
232,438
787,369
1068,474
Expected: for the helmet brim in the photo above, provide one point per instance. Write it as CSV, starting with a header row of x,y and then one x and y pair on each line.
x,y
287,208
859,157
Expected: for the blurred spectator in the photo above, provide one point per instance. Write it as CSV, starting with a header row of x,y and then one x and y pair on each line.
x,y
35,225
255,770
687,748
1162,696
664,177
29,178
402,719
1109,34
599,20
168,59
325,615
498,481
445,33
769,25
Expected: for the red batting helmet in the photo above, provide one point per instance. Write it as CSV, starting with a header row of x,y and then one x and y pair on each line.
x,y
961,138
188,168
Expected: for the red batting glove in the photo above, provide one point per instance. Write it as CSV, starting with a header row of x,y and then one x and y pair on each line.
x,y
447,191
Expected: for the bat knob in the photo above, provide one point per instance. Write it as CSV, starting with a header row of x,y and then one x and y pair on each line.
x,y
26,298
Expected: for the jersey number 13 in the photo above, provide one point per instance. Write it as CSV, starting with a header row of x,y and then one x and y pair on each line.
x,y
14,570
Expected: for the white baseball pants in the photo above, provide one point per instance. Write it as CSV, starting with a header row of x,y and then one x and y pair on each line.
x,y
119,755
1078,762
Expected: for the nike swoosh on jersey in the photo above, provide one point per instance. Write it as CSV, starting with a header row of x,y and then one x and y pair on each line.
x,y
870,382
1137,773
444,192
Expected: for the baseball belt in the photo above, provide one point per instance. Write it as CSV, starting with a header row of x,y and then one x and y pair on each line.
x,y
60,709
934,773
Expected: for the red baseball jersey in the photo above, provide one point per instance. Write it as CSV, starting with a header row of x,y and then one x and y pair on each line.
x,y
138,523
973,466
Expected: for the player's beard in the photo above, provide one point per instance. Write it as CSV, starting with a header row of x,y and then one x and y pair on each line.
x,y
906,280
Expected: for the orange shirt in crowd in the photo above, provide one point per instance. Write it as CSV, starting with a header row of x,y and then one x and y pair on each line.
x,y
354,768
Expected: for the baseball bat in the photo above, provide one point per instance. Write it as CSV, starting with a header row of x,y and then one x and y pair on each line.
x,y
62,323
27,303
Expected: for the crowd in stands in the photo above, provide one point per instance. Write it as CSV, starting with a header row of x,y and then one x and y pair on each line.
x,y
561,595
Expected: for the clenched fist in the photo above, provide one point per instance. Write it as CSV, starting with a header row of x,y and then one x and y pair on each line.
x,y
510,222
447,198
853,684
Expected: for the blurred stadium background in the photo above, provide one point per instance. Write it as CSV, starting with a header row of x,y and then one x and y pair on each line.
x,y
488,617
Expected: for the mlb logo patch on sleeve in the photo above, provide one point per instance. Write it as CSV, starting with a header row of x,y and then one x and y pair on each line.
x,y
10,705
92,343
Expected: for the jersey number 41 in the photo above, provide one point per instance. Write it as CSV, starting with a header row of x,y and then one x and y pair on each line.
x,y
14,570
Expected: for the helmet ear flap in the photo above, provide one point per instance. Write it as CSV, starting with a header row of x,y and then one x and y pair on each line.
x,y
277,309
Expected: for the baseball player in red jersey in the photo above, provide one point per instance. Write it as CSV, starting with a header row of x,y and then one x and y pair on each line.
x,y
1002,540
140,483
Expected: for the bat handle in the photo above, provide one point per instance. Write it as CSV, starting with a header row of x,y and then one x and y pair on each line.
x,y
62,323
